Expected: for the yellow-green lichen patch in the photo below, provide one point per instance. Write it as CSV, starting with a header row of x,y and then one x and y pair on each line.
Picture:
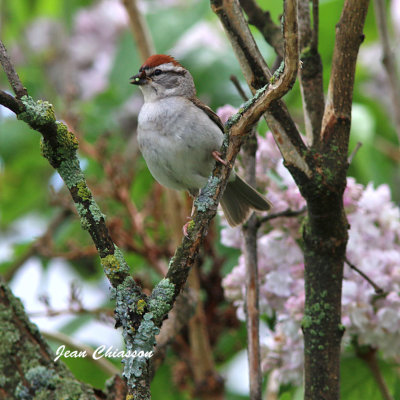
x,y
67,141
111,266
115,265
61,148
190,225
37,113
140,306
83,191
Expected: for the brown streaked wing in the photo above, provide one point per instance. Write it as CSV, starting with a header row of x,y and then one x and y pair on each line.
x,y
211,114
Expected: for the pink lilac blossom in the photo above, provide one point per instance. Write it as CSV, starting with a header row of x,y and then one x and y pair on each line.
x,y
374,247
82,61
93,44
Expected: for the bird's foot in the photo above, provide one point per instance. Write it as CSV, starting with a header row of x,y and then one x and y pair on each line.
x,y
217,155
186,226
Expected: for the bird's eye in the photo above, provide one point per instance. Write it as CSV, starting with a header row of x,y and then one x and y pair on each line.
x,y
157,72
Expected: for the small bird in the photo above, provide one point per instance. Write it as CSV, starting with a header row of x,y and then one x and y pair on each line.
x,y
179,137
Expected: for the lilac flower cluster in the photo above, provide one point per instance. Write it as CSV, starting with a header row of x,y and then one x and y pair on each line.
x,y
374,247
79,64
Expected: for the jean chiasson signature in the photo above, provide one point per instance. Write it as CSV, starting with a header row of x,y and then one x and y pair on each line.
x,y
100,352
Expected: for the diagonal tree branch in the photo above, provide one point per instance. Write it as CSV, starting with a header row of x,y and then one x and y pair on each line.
x,y
139,28
28,367
12,75
257,74
310,73
337,114
11,102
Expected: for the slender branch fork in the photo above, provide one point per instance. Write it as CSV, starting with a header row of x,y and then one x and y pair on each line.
x,y
141,324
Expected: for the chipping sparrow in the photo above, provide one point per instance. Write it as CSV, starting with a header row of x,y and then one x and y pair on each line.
x,y
179,137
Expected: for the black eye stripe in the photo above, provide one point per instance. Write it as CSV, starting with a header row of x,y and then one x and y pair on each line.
x,y
158,72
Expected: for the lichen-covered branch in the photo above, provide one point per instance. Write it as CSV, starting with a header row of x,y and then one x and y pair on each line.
x,y
10,102
27,366
59,147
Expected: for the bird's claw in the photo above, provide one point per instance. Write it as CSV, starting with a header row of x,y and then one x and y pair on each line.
x,y
185,228
217,155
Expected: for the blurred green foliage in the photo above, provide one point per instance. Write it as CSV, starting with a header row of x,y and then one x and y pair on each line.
x,y
25,176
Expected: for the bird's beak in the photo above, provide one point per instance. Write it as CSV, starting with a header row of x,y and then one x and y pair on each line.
x,y
139,79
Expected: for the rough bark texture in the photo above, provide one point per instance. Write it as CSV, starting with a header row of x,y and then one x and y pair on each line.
x,y
27,366
325,232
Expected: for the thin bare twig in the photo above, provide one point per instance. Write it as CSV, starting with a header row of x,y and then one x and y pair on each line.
x,y
176,207
208,383
387,148
238,87
12,75
378,290
71,310
140,30
369,356
10,102
354,152
252,284
37,244
389,62
287,213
